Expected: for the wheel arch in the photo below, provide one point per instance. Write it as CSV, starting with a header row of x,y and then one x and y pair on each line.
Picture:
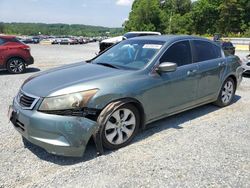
x,y
225,78
136,103
234,79
107,111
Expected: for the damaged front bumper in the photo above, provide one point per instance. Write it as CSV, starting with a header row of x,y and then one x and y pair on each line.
x,y
60,135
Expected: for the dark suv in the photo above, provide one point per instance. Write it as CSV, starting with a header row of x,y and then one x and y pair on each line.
x,y
228,47
14,55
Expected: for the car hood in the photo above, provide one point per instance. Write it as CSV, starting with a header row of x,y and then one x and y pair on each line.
x,y
68,79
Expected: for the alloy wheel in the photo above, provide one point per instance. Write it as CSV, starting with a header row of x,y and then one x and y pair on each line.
x,y
16,66
120,126
227,92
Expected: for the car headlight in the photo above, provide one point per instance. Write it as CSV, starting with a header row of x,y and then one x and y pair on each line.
x,y
71,101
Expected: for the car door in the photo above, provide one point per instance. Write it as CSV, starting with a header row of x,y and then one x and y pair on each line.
x,y
179,88
211,68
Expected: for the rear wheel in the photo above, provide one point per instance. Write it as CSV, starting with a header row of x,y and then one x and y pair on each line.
x,y
16,65
121,127
227,93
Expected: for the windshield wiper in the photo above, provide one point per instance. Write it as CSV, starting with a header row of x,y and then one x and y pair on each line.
x,y
108,65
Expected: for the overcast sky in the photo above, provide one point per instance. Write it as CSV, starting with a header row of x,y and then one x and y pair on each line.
x,y
111,13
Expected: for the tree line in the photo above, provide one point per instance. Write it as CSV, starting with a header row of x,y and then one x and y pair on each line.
x,y
57,29
202,17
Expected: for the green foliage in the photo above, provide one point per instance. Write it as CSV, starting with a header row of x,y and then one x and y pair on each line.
x,y
178,6
231,14
145,16
202,17
181,24
1,27
56,29
247,33
205,17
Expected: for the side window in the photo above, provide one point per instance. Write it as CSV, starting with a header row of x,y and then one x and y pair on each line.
x,y
1,41
179,53
14,40
205,51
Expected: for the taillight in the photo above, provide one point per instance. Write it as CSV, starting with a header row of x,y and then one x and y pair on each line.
x,y
27,48
240,62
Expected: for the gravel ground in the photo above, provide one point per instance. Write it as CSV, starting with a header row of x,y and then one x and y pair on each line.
x,y
204,147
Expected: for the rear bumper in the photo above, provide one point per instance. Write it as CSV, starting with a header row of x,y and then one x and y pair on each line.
x,y
239,74
30,61
60,135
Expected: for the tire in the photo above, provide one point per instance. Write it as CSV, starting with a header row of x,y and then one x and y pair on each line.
x,y
119,131
16,66
227,93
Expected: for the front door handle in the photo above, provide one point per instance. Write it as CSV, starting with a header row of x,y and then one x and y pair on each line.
x,y
191,72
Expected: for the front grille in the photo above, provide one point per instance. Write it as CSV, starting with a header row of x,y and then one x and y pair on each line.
x,y
73,112
26,101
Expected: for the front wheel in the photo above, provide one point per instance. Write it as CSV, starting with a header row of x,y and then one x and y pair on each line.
x,y
121,127
227,93
16,66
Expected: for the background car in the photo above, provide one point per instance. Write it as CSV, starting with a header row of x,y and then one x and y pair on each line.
x,y
228,47
69,41
103,45
48,41
36,39
15,55
27,40
81,40
246,64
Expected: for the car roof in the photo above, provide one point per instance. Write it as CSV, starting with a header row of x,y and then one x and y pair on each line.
x,y
170,38
7,36
143,32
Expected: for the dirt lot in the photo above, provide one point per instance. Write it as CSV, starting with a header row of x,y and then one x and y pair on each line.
x,y
204,147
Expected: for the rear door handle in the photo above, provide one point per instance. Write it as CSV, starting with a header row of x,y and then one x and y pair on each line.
x,y
221,64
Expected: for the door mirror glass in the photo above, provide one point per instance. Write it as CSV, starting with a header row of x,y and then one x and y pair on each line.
x,y
167,67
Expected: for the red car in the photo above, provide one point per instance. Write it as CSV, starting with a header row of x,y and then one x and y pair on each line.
x,y
14,55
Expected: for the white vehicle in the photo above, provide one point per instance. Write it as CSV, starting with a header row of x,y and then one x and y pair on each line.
x,y
246,64
111,41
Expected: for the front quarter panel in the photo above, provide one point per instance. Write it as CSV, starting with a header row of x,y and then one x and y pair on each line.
x,y
143,88
114,89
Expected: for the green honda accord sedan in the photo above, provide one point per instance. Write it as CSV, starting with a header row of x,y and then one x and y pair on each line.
x,y
117,93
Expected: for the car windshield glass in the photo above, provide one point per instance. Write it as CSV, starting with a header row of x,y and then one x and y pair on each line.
x,y
130,54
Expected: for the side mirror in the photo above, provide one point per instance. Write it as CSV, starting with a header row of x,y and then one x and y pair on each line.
x,y
167,67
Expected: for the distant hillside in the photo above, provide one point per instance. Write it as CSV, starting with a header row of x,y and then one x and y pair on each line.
x,y
56,29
